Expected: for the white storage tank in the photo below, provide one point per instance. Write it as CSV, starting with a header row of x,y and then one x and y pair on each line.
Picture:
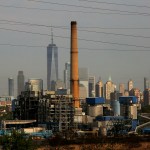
x,y
94,111
115,107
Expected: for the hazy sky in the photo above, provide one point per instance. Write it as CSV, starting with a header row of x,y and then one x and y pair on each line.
x,y
114,38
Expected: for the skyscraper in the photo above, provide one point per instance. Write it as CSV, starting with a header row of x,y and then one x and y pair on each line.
x,y
92,86
99,88
121,88
146,97
20,82
109,88
130,85
10,86
83,79
146,83
67,75
34,84
52,65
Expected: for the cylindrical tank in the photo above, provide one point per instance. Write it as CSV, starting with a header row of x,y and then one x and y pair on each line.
x,y
94,111
115,107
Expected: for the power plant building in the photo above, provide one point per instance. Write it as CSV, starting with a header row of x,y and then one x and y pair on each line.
x,y
52,65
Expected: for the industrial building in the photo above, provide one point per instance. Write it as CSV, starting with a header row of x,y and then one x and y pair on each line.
x,y
55,111
61,112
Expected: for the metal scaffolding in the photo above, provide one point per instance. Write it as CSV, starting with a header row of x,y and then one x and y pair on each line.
x,y
57,111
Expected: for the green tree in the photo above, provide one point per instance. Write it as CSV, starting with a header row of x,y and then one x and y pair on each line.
x,y
17,142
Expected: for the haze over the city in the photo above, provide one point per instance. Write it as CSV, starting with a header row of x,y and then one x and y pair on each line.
x,y
113,38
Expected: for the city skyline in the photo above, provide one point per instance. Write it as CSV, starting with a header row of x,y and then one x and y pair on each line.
x,y
113,44
83,73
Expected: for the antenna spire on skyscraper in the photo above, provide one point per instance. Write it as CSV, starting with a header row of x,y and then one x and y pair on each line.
x,y
52,34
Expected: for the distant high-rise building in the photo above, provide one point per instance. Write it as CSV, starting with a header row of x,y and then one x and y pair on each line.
x,y
83,92
130,85
121,88
52,65
83,79
135,92
99,88
115,95
67,75
92,86
34,84
10,86
146,83
126,93
20,82
147,97
109,88
59,84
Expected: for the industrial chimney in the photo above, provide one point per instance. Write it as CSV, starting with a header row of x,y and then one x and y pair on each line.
x,y
74,75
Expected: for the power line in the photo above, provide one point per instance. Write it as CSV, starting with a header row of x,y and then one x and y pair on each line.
x,y
63,27
44,34
87,40
119,4
80,48
32,24
118,34
118,28
45,9
88,7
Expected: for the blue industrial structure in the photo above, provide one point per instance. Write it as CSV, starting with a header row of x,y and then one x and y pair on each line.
x,y
128,100
122,118
95,100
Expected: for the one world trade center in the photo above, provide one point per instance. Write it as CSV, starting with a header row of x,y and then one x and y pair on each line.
x,y
52,65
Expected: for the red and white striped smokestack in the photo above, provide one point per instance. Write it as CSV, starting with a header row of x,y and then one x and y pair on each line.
x,y
74,74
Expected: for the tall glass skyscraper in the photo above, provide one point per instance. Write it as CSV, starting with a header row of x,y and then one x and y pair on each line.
x,y
52,65
10,86
67,75
92,86
20,82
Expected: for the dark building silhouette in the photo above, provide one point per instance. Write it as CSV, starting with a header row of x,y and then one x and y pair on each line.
x,y
52,65
146,83
146,97
20,82
10,86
